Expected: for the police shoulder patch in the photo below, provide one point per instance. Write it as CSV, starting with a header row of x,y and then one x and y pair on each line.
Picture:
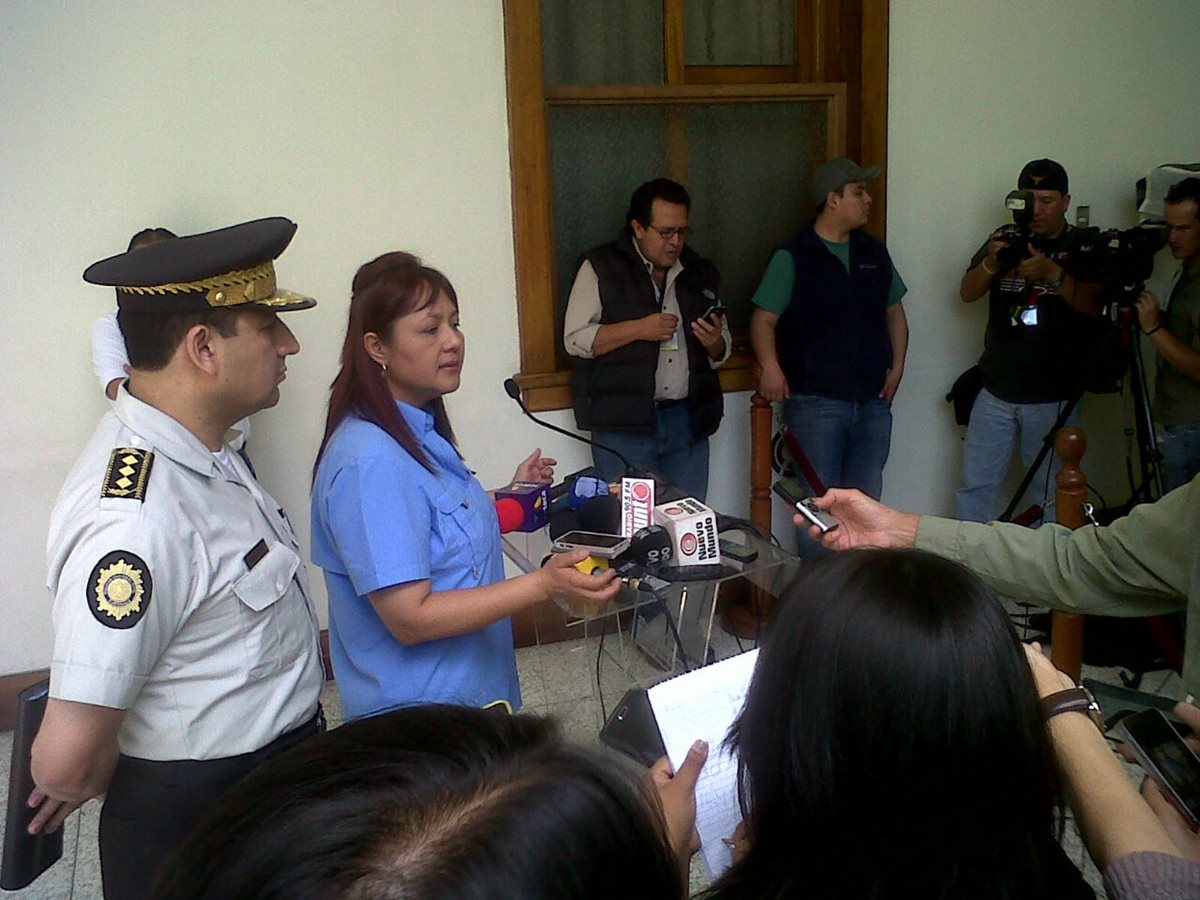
x,y
119,589
128,473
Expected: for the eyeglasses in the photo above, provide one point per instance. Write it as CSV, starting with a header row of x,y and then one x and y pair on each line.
x,y
667,233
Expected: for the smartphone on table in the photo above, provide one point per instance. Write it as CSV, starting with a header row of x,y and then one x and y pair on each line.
x,y
603,546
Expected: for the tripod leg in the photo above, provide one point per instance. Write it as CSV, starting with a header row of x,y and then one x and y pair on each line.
x,y
1148,453
1047,444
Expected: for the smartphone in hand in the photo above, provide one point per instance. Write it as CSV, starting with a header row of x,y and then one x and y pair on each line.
x,y
1166,759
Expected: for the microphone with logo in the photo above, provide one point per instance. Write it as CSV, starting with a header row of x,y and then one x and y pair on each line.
x,y
523,506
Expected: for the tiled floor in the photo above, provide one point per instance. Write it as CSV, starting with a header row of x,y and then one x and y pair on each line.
x,y
556,680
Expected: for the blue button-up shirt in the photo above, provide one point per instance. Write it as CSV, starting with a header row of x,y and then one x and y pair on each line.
x,y
380,518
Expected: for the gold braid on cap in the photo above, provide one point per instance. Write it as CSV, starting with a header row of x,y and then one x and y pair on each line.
x,y
230,289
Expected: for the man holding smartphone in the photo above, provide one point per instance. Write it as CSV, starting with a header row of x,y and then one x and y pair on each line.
x,y
830,334
1144,564
645,325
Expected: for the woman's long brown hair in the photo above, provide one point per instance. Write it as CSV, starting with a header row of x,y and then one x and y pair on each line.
x,y
385,289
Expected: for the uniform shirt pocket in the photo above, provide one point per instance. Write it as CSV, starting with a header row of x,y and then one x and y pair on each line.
x,y
262,615
456,546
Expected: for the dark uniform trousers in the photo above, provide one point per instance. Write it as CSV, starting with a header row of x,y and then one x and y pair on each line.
x,y
152,805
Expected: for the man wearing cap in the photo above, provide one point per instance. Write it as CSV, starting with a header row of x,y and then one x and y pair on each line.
x,y
830,335
1035,347
186,646
645,325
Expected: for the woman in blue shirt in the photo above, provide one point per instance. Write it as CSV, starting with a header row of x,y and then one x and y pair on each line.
x,y
407,537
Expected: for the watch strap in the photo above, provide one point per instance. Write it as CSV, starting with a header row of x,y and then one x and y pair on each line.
x,y
1076,699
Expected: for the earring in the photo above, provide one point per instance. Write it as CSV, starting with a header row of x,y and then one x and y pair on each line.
x,y
383,369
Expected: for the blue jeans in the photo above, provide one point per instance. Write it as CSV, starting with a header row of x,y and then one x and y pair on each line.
x,y
1180,448
993,431
847,442
668,451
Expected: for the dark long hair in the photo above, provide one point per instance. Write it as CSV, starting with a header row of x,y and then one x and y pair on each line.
x,y
892,743
432,802
385,289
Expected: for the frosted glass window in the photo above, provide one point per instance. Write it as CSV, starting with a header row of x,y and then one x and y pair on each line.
x,y
602,42
739,32
745,166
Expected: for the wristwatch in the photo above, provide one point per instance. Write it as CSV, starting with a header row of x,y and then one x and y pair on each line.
x,y
1055,283
1076,699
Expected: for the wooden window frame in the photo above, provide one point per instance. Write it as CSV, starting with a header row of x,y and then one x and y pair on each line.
x,y
856,117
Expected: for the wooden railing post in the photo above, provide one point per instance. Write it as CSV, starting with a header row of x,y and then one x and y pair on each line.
x,y
745,605
1066,629
760,462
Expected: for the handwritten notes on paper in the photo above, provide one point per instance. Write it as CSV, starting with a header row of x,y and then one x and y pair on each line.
x,y
701,705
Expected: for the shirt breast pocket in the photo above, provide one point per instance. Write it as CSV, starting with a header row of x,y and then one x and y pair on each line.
x,y
273,623
457,545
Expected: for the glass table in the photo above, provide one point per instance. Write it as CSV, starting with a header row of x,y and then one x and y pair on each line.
x,y
641,637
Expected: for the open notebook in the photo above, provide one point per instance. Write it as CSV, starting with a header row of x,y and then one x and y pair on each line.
x,y
701,705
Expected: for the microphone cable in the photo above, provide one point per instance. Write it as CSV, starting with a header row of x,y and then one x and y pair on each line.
x,y
671,626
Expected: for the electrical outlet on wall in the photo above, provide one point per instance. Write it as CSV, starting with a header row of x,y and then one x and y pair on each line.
x,y
1083,216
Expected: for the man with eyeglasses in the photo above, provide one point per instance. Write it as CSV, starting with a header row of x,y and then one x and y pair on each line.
x,y
646,327
830,334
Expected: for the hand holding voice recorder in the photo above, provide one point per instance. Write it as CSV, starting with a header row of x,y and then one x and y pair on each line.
x,y
816,515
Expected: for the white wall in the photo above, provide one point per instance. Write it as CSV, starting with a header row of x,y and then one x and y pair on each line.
x,y
374,125
381,125
1109,89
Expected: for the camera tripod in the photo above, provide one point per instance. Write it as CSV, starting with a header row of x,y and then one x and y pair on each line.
x,y
1146,484
1159,644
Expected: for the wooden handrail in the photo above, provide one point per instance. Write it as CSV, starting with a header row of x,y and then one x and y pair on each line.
x,y
760,462
1066,629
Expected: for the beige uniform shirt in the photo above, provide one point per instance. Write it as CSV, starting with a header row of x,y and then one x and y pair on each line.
x,y
179,594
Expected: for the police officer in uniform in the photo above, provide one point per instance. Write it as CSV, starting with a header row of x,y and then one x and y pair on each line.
x,y
186,646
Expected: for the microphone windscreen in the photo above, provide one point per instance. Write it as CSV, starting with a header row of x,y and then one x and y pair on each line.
x,y
649,547
510,513
601,514
562,522
512,388
585,487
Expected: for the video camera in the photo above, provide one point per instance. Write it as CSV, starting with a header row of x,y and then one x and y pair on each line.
x,y
1018,237
1120,261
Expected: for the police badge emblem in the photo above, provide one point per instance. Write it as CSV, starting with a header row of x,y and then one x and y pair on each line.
x,y
119,589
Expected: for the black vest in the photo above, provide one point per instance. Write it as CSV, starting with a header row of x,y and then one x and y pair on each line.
x,y
616,390
832,340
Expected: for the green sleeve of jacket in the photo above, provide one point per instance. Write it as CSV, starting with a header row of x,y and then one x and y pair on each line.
x,y
1144,564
